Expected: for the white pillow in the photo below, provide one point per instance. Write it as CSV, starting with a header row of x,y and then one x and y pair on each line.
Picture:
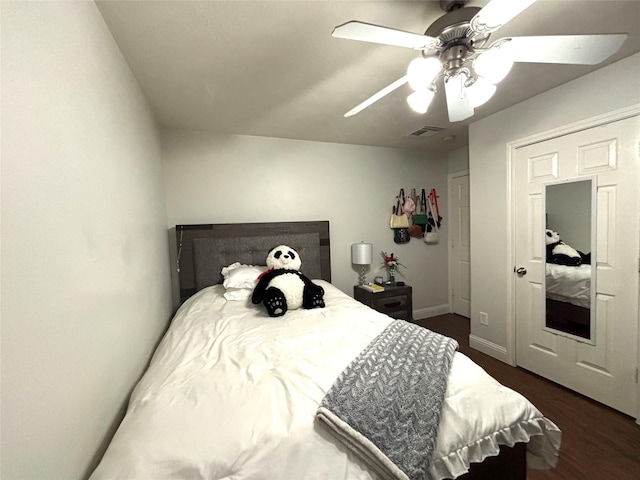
x,y
237,275
225,270
237,293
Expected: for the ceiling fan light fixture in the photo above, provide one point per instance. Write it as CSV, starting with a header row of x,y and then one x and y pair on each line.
x,y
454,48
456,83
458,104
493,65
420,100
422,71
480,91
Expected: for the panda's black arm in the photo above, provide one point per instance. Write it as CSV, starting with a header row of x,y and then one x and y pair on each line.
x,y
307,281
261,287
258,291
310,286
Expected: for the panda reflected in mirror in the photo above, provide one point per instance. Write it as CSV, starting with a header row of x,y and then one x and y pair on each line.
x,y
560,253
284,287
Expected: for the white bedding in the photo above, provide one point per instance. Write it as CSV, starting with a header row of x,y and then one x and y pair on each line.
x,y
232,393
569,284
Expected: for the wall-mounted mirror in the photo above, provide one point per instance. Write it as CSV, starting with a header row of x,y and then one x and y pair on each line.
x,y
569,281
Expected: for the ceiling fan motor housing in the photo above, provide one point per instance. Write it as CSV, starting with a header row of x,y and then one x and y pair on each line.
x,y
456,40
453,25
449,5
453,58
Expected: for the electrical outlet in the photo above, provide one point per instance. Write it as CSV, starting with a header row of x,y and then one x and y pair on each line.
x,y
484,318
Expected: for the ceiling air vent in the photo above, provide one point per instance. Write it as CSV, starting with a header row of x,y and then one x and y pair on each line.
x,y
425,132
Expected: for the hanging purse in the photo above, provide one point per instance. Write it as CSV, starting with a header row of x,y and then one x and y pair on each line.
x,y
401,235
400,221
409,205
421,217
398,218
433,198
415,231
432,235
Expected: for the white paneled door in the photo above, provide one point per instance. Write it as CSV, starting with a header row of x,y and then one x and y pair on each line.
x,y
459,244
604,369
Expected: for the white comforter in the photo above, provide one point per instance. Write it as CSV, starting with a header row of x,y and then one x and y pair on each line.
x,y
569,284
232,394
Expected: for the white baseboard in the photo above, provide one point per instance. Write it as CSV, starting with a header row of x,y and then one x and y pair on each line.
x,y
428,312
492,349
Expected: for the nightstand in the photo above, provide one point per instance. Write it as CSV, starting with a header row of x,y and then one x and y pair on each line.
x,y
397,302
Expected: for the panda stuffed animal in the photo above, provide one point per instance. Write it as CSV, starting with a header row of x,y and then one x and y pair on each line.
x,y
559,252
283,286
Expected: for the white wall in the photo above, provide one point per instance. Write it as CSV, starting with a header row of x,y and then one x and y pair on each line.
x,y
217,178
85,280
608,89
458,160
568,212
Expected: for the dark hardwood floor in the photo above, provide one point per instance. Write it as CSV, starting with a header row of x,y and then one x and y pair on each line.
x,y
597,441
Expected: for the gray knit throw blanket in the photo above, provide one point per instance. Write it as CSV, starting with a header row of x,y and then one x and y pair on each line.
x,y
385,406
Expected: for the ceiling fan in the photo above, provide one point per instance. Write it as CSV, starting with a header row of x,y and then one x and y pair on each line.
x,y
456,49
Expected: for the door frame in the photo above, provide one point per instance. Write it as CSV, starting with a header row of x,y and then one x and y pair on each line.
x,y
450,177
609,117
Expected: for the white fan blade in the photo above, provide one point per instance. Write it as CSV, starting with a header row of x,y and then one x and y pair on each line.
x,y
573,49
366,32
498,13
374,98
458,103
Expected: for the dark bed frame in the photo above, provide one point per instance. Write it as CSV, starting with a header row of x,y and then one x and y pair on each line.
x,y
280,232
510,464
568,318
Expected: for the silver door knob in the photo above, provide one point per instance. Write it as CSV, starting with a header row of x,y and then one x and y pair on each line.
x,y
521,271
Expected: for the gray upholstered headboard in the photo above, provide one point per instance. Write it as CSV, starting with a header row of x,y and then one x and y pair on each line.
x,y
204,249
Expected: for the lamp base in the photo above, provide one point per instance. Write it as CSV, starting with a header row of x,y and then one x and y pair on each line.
x,y
361,278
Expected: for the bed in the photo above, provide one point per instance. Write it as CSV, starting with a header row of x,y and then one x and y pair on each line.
x,y
569,284
568,298
231,393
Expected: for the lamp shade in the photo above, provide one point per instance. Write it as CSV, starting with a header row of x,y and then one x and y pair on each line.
x,y
362,253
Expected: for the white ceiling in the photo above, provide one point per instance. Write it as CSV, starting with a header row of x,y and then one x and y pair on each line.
x,y
271,68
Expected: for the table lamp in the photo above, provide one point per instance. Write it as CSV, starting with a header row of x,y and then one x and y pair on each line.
x,y
362,254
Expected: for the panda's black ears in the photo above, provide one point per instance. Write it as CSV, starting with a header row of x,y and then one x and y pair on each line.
x,y
276,246
290,252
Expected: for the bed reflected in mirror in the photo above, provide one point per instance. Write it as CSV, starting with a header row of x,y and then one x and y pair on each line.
x,y
570,268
